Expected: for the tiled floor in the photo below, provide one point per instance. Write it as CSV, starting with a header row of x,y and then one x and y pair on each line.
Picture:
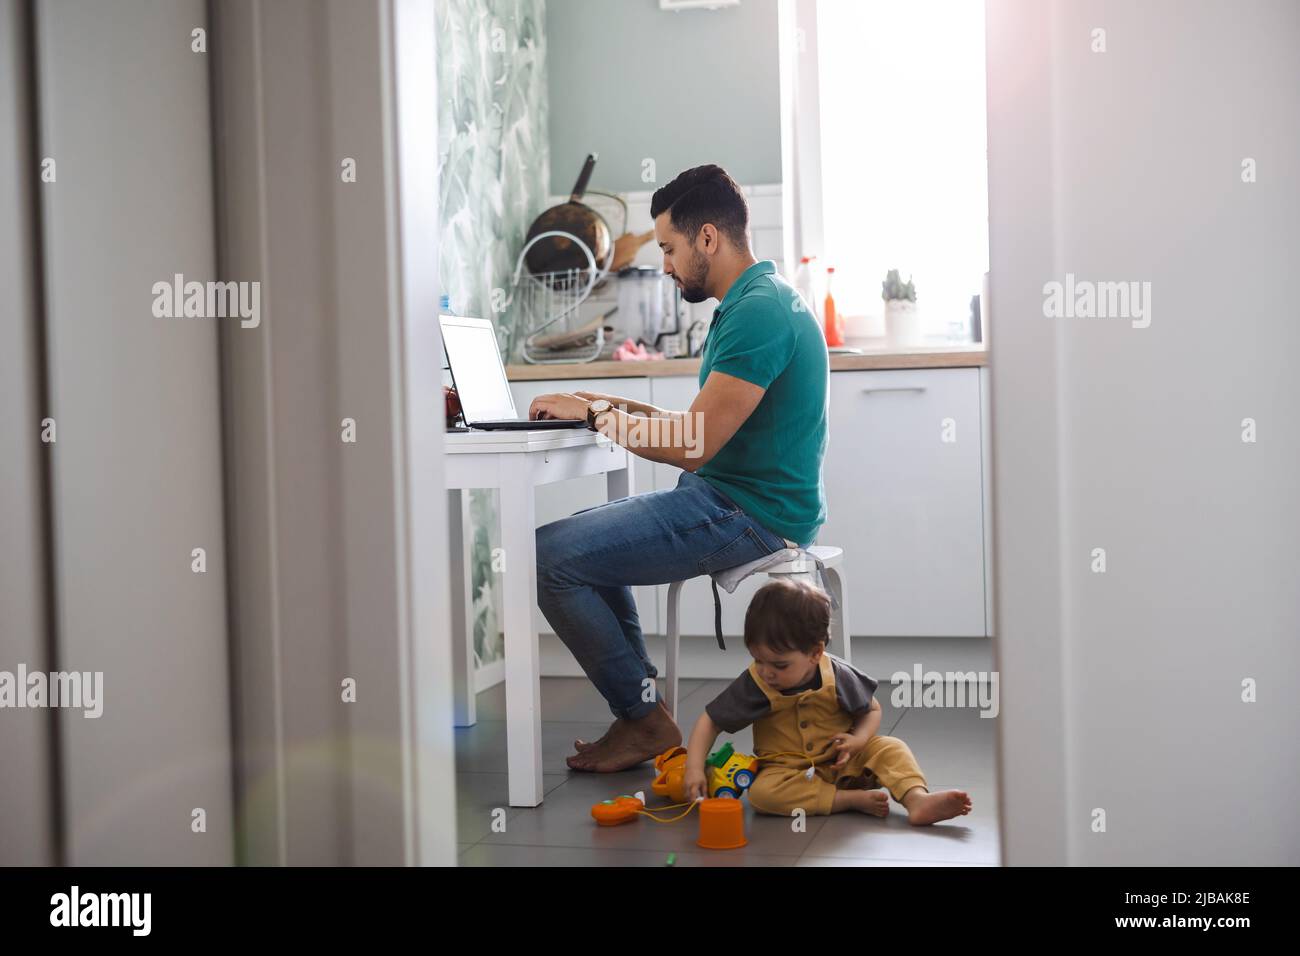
x,y
954,747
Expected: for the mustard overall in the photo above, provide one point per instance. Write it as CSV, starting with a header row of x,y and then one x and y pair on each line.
x,y
805,723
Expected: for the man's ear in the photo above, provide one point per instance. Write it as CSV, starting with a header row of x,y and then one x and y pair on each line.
x,y
709,237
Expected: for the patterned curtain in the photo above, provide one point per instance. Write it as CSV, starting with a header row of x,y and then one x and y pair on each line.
x,y
494,167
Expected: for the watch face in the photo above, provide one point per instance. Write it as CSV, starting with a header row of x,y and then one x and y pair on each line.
x,y
599,406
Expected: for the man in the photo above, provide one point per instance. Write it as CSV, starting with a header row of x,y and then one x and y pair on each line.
x,y
750,448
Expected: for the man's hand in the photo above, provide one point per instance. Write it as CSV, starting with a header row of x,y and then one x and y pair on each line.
x,y
848,745
629,405
695,783
722,406
558,405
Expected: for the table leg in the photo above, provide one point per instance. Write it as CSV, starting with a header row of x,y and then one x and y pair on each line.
x,y
462,610
620,483
518,596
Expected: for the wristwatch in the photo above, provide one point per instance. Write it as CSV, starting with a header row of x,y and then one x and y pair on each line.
x,y
598,407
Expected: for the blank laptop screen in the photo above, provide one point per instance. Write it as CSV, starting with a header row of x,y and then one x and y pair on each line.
x,y
477,370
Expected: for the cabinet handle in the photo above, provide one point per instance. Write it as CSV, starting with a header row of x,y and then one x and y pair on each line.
x,y
894,388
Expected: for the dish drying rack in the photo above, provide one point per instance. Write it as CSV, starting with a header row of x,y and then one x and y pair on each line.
x,y
545,322
542,310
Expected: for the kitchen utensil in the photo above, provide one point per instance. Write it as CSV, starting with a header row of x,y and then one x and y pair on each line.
x,y
558,227
626,247
646,304
578,338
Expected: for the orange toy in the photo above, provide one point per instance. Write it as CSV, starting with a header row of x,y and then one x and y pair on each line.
x,y
722,819
722,824
728,773
671,767
722,815
610,813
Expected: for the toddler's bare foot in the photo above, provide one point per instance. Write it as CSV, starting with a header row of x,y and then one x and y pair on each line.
x,y
874,802
924,808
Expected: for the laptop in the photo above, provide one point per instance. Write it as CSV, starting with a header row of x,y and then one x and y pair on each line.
x,y
480,379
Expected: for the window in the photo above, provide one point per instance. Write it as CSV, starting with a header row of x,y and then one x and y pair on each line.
x,y
904,178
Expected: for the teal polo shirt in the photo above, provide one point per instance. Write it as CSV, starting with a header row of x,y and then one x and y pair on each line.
x,y
764,333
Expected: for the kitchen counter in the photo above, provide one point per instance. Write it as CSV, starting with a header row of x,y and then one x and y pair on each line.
x,y
873,356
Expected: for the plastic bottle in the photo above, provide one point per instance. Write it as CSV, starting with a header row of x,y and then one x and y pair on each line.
x,y
803,283
834,336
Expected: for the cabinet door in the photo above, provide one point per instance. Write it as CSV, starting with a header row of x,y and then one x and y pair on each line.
x,y
696,608
905,500
563,498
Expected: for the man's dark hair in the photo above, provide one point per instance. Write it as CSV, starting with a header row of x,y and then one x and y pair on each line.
x,y
700,195
787,615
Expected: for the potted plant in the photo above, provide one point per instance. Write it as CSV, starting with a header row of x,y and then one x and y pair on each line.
x,y
902,321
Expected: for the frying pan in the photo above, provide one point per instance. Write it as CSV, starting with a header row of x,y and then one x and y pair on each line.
x,y
559,254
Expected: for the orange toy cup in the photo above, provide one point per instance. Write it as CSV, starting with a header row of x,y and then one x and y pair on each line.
x,y
722,824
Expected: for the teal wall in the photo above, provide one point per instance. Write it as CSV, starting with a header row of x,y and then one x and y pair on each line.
x,y
630,81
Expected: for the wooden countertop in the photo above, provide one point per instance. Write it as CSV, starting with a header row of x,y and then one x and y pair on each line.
x,y
877,357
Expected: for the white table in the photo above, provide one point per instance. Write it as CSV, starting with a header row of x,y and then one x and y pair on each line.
x,y
516,463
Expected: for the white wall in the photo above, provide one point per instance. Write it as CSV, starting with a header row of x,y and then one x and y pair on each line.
x,y
1122,691
27,825
136,471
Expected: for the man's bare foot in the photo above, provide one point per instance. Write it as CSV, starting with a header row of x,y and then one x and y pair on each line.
x,y
874,802
582,745
629,742
924,808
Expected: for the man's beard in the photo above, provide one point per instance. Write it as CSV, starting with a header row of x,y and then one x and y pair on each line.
x,y
693,283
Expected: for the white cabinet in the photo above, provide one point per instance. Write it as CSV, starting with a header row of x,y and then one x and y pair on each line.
x,y
905,501
567,497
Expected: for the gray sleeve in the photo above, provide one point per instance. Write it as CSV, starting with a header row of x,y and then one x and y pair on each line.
x,y
853,688
739,705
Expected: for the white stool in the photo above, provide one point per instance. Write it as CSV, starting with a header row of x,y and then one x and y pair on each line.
x,y
802,567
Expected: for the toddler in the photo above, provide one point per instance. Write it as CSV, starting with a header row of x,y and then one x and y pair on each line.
x,y
811,709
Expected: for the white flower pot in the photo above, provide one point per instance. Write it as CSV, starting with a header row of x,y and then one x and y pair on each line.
x,y
902,323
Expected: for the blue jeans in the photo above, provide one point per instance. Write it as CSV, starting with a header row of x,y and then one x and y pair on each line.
x,y
588,562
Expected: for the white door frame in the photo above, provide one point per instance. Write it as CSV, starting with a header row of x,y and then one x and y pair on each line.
x,y
338,548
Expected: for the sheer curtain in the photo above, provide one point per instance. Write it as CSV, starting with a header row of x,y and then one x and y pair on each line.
x,y
903,155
